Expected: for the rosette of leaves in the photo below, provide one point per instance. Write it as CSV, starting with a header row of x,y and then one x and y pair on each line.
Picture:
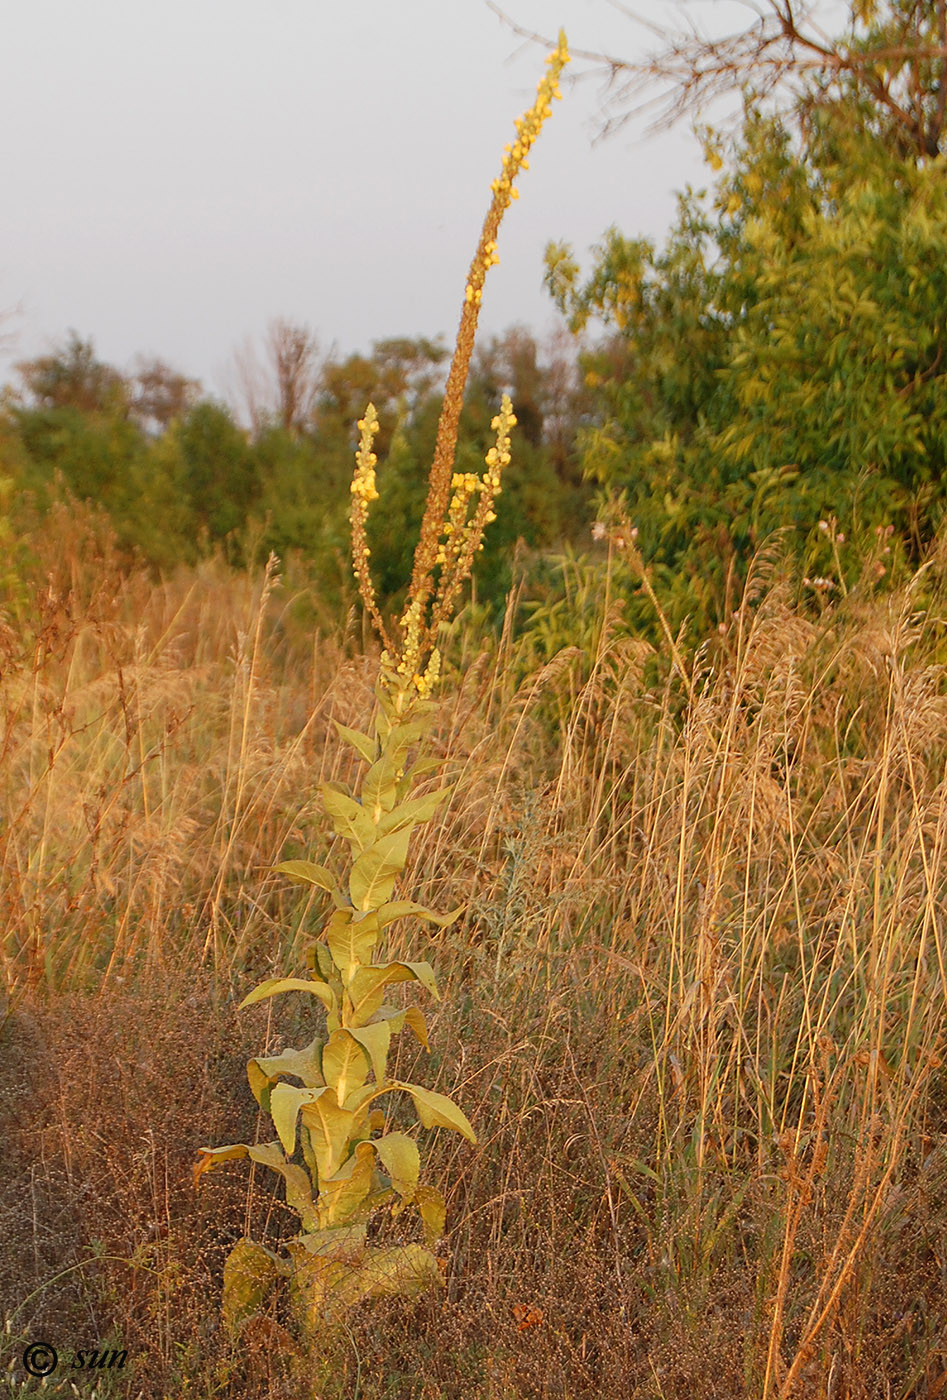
x,y
339,1162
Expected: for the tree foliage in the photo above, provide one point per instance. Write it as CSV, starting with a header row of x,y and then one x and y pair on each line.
x,y
179,475
781,360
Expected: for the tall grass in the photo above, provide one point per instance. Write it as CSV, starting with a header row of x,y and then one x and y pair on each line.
x,y
699,995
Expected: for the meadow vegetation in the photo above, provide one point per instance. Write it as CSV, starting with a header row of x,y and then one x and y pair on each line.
x,y
694,1010
695,1004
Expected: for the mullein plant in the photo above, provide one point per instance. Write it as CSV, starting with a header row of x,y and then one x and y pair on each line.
x,y
323,1100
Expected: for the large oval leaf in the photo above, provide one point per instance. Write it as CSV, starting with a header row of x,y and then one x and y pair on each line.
x,y
286,1101
303,1064
367,987
274,985
362,743
416,809
249,1273
373,875
375,1040
344,1064
401,1159
438,1111
304,872
331,1129
348,817
351,939
403,1271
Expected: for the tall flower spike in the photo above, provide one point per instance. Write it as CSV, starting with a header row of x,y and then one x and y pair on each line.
x,y
444,515
515,159
462,540
363,493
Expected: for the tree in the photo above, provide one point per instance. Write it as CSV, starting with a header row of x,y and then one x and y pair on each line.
x,y
281,388
220,476
159,394
73,377
782,359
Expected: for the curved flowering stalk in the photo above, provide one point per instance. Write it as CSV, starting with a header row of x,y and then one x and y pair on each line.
x,y
353,1162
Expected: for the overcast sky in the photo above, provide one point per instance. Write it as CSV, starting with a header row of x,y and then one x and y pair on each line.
x,y
176,174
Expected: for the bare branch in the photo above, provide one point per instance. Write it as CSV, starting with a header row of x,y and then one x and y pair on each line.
x,y
782,47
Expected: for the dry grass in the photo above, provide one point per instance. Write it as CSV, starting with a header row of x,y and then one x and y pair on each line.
x,y
696,1009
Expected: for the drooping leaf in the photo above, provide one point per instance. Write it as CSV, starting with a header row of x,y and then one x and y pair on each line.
x,y
397,1017
305,872
367,987
303,1064
351,939
344,1064
274,985
401,908
414,1017
298,1185
403,1271
362,743
211,1157
331,1129
401,1159
249,1273
375,1039
374,872
286,1100
319,959
438,1111
343,1197
433,1212
418,809
349,817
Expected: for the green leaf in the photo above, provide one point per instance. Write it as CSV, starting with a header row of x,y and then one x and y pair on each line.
x,y
304,872
331,1129
373,874
344,1197
367,987
401,1159
286,1101
351,939
267,1154
344,1064
401,908
338,1241
348,817
249,1273
414,1017
210,1157
418,809
378,788
375,1039
298,1185
403,1272
362,743
274,985
319,959
398,1017
302,1064
402,736
437,1110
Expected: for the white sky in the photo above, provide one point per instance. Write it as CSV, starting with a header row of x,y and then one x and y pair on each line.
x,y
177,173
